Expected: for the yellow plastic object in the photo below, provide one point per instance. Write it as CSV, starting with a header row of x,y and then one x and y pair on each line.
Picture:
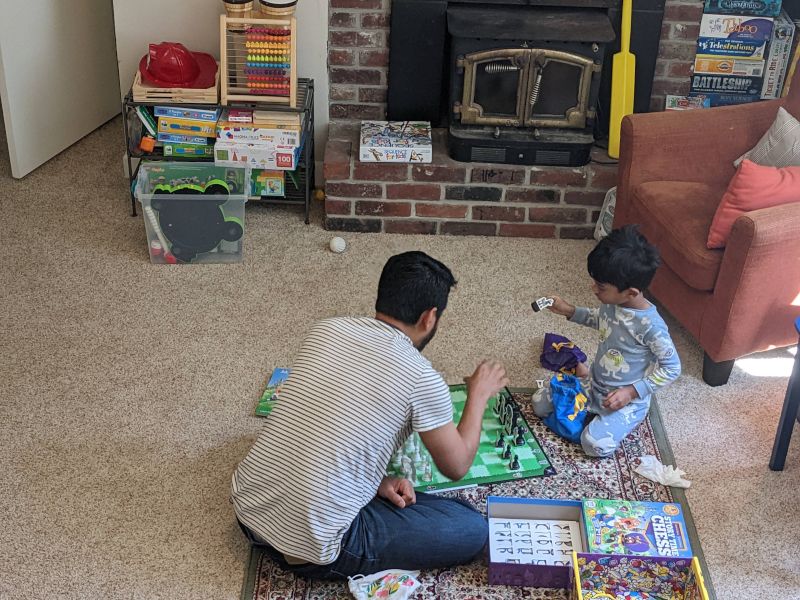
x,y
623,77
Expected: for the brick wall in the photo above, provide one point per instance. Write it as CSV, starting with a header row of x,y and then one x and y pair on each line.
x,y
358,55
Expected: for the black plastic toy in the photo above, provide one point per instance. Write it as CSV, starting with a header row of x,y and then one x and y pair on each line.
x,y
195,226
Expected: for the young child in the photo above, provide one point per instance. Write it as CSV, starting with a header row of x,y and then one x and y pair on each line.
x,y
636,355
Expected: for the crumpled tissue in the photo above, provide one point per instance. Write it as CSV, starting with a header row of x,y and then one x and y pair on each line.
x,y
653,469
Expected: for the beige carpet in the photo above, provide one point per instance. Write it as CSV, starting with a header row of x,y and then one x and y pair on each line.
x,y
127,390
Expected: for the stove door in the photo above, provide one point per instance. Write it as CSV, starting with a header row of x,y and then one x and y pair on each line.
x,y
495,87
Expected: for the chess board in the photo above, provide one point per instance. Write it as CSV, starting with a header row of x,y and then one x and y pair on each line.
x,y
489,465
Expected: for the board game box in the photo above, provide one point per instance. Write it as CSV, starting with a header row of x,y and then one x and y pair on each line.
x,y
778,54
604,577
525,457
635,528
270,395
396,141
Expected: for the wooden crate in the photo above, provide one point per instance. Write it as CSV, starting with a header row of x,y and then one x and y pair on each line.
x,y
239,77
143,92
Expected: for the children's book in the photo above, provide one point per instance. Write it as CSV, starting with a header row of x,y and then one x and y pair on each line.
x,y
270,395
635,528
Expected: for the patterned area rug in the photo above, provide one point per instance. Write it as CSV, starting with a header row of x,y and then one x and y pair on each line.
x,y
577,476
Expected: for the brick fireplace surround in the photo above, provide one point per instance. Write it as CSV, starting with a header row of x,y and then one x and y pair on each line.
x,y
449,197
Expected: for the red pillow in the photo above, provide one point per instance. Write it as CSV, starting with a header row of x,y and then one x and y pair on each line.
x,y
753,187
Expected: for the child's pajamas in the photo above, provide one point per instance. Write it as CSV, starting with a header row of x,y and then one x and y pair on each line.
x,y
635,349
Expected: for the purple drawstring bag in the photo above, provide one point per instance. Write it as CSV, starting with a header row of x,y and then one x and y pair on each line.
x,y
559,354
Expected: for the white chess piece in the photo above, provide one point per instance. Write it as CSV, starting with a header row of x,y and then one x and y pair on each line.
x,y
338,245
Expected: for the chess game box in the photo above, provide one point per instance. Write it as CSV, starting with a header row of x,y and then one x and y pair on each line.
x,y
396,141
635,528
541,554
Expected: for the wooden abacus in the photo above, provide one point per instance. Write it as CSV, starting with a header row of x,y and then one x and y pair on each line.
x,y
258,60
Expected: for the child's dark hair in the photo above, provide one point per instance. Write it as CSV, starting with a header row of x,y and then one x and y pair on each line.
x,y
412,283
625,259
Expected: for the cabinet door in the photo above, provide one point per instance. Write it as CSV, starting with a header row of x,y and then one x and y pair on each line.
x,y
58,75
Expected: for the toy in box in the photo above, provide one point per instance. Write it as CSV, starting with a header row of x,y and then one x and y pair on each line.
x,y
196,114
686,102
256,156
761,8
396,141
186,126
715,84
778,55
606,577
193,213
264,182
253,134
728,66
635,528
734,36
725,99
188,150
531,540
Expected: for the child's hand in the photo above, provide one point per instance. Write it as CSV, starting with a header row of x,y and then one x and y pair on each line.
x,y
620,397
581,370
561,307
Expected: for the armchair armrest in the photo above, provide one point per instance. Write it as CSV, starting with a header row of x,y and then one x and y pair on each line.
x,y
757,293
693,145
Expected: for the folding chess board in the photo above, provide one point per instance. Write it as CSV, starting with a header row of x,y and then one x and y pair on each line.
x,y
413,461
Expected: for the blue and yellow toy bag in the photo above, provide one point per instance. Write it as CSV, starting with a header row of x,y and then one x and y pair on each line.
x,y
569,407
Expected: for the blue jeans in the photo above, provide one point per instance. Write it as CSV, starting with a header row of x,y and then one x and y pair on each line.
x,y
433,533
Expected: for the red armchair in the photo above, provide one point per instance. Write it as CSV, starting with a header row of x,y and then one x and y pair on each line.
x,y
674,169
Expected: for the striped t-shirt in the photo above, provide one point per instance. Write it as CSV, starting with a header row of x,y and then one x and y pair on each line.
x,y
357,389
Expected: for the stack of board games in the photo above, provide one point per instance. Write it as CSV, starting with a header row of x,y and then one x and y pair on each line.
x,y
186,132
743,51
269,140
396,141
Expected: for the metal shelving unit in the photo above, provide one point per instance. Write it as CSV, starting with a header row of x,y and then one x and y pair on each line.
x,y
297,195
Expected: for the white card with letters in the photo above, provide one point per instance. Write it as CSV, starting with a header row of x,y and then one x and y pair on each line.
x,y
533,541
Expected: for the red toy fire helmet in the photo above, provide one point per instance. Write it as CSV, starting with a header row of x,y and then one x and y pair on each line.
x,y
171,64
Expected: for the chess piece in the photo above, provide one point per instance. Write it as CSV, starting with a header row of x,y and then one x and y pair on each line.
x,y
514,466
501,440
427,473
507,452
520,441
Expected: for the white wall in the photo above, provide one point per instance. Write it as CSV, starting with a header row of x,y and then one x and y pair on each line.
x,y
195,24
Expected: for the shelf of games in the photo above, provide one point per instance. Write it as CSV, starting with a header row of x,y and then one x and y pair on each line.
x,y
298,183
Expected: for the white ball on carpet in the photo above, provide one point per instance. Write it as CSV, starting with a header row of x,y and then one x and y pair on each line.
x,y
338,245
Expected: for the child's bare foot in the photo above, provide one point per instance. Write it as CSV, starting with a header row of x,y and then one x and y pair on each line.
x,y
581,370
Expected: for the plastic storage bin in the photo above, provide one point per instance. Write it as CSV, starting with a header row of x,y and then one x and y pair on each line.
x,y
193,213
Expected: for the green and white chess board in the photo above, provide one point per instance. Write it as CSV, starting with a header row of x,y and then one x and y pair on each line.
x,y
414,462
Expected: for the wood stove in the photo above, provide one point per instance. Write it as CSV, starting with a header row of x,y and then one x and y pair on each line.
x,y
524,83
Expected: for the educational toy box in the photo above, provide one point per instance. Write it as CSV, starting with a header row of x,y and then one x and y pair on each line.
x,y
734,36
193,213
531,541
608,577
635,528
256,156
186,126
253,134
758,8
396,141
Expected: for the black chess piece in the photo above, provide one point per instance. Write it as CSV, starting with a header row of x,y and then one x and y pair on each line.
x,y
507,452
501,440
514,466
520,441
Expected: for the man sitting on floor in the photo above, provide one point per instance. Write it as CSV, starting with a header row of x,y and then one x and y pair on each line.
x,y
313,489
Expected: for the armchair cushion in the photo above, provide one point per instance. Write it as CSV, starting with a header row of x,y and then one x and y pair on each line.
x,y
676,216
753,187
779,146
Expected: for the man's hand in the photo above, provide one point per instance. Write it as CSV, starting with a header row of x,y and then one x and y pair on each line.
x,y
398,491
561,307
488,379
620,397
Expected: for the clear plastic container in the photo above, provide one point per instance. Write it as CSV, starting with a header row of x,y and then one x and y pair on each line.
x,y
193,213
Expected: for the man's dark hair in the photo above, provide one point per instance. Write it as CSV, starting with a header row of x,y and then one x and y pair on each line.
x,y
624,259
410,284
